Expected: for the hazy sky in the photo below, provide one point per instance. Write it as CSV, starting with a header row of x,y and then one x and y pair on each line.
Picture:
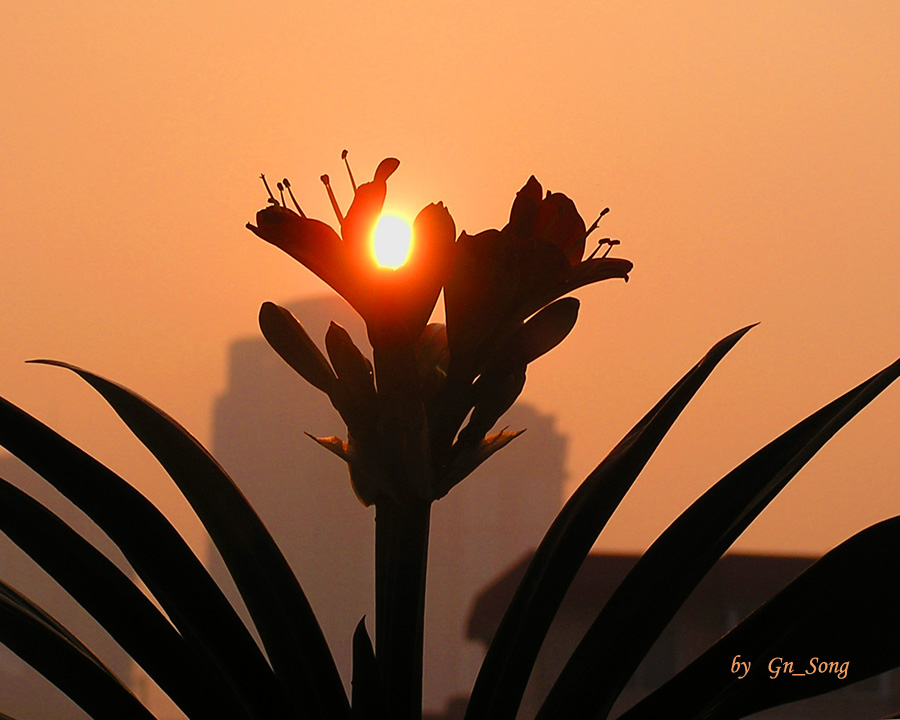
x,y
749,153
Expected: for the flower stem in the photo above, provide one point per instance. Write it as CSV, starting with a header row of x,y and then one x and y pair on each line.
x,y
401,555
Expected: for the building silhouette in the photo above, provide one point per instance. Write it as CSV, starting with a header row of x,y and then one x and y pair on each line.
x,y
303,494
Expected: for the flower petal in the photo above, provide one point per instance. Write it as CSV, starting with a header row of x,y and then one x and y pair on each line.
x,y
558,222
420,279
541,333
365,209
288,338
315,245
354,372
524,212
478,291
595,270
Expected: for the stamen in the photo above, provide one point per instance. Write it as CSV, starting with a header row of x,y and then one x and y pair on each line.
x,y
281,192
337,210
600,243
272,199
347,163
596,222
290,192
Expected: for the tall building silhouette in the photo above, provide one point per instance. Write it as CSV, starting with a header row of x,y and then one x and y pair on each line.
x,y
303,495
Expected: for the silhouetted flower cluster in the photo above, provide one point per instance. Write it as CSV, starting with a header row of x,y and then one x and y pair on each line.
x,y
419,420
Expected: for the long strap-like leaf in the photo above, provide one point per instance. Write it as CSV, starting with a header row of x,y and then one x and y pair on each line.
x,y
158,554
671,568
368,694
841,612
286,623
115,602
504,674
41,642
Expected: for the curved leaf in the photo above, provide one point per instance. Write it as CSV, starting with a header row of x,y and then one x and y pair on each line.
x,y
40,641
843,609
118,605
161,558
506,668
287,626
671,568
368,698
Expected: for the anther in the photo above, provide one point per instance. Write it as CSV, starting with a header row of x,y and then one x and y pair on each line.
x,y
600,243
281,192
596,222
291,193
347,163
272,199
337,210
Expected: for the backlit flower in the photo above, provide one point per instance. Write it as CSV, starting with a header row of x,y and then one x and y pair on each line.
x,y
389,299
501,277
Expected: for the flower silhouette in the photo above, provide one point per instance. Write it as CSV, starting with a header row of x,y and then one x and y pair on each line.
x,y
501,277
419,416
390,301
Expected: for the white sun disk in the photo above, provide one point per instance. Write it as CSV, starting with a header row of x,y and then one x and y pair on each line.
x,y
391,241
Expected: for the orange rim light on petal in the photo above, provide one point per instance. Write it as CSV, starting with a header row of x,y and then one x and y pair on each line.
x,y
391,241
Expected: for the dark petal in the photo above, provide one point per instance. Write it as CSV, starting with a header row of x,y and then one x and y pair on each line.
x,y
585,273
386,168
543,332
288,338
431,348
359,224
354,372
542,267
420,279
316,246
524,212
432,358
479,290
558,222
595,270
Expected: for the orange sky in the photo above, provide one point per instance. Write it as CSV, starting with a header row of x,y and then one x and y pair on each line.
x,y
749,153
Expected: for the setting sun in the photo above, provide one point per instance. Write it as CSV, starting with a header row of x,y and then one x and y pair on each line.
x,y
391,241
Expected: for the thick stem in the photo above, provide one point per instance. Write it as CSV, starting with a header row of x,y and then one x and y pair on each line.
x,y
401,554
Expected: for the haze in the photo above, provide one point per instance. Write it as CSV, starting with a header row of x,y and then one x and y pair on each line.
x,y
749,153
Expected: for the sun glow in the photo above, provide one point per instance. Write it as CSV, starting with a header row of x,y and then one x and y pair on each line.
x,y
391,241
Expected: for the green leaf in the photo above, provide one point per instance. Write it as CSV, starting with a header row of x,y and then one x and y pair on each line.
x,y
158,554
288,338
287,626
507,666
843,609
671,568
118,605
44,644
